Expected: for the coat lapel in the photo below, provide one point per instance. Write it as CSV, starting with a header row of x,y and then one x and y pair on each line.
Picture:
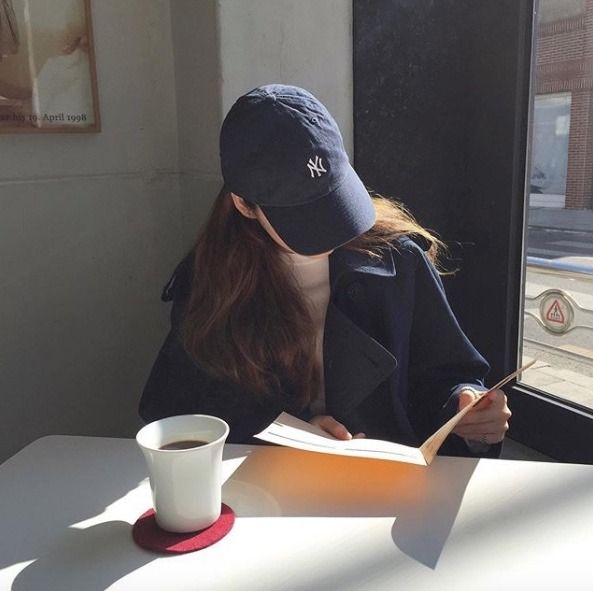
x,y
354,363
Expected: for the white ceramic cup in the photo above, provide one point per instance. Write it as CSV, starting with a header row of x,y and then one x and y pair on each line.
x,y
186,483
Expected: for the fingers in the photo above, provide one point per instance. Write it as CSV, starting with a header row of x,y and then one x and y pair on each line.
x,y
488,422
332,427
486,434
466,397
494,407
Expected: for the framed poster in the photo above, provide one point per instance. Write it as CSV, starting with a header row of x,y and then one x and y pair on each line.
x,y
48,79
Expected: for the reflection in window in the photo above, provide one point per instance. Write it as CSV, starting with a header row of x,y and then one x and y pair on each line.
x,y
551,125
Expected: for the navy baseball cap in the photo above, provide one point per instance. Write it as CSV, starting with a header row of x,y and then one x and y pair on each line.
x,y
282,150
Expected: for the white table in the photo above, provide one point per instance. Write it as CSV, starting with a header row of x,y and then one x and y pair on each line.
x,y
305,522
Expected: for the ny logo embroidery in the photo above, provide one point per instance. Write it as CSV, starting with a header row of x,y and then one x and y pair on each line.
x,y
315,167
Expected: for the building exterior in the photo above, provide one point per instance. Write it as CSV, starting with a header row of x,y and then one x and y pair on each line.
x,y
562,150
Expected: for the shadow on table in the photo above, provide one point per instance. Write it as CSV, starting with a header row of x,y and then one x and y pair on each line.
x,y
423,526
290,483
91,559
62,484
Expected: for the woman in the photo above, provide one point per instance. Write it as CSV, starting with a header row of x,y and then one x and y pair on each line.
x,y
305,294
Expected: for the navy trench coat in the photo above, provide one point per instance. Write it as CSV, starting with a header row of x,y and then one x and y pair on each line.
x,y
395,358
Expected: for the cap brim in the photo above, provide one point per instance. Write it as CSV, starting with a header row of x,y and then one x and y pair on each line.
x,y
328,222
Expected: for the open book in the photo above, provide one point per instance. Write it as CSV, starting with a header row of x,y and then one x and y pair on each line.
x,y
292,432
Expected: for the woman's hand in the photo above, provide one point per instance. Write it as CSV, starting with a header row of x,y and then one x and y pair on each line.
x,y
488,421
333,427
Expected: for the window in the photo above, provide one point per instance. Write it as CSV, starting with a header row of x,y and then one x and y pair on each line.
x,y
558,304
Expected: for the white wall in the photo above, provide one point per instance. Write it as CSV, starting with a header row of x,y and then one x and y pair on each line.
x,y
196,42
91,225
89,230
307,43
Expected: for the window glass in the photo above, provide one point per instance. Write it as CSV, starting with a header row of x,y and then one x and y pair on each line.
x,y
558,303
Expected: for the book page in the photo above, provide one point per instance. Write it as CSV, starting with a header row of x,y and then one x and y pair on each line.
x,y
432,445
290,431
293,432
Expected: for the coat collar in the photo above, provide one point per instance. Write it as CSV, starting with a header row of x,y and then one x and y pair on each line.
x,y
343,261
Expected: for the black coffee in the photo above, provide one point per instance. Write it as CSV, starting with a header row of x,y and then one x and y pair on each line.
x,y
184,444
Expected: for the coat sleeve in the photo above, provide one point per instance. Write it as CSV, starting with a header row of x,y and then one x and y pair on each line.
x,y
442,359
178,385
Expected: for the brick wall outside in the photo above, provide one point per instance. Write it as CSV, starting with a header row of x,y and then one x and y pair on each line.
x,y
564,63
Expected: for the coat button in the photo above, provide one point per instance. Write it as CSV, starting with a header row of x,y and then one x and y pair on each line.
x,y
355,292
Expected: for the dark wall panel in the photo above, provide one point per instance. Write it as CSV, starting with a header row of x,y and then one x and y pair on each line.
x,y
441,102
409,98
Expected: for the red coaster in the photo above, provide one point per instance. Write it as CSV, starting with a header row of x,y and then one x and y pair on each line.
x,y
149,535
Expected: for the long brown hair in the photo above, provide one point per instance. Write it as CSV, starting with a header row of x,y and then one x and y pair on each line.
x,y
246,321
